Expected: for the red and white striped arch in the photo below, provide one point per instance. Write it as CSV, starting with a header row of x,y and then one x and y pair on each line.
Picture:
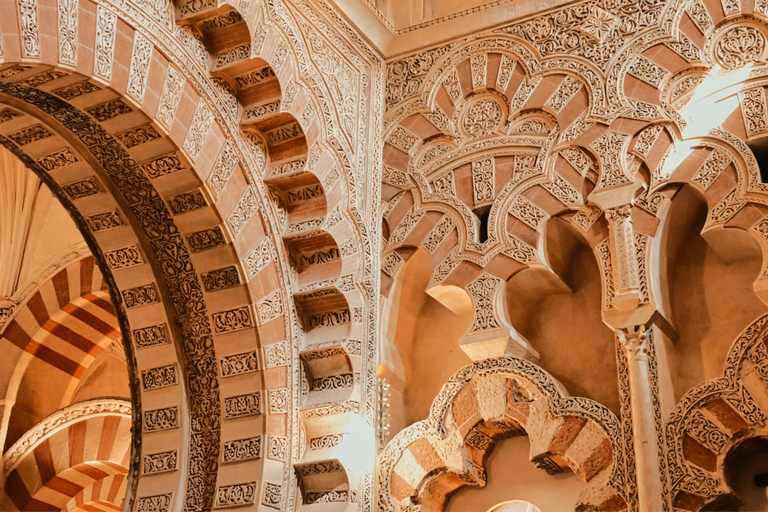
x,y
65,324
68,453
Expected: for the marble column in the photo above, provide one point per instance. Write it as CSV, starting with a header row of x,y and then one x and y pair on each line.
x,y
634,340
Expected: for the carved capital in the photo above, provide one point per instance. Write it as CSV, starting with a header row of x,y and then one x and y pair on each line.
x,y
634,340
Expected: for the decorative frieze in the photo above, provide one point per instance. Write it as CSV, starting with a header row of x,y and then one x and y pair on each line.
x,y
646,139
191,8
624,250
647,71
261,112
754,110
8,114
452,86
328,319
173,87
259,257
232,320
394,177
506,68
225,166
278,58
137,76
236,495
255,77
332,382
238,364
478,65
717,161
240,406
160,419
327,441
562,190
44,78
104,221
610,148
104,54
240,450
270,307
230,56
28,23
224,20
162,462
276,447
326,497
198,129
402,139
320,467
725,209
438,233
206,239
77,90
273,496
139,135
221,279
685,48
483,291
151,336
126,257
163,166
108,110
157,503
30,134
277,400
483,179
245,208
527,212
405,226
563,94
57,159
140,296
275,354
160,377
187,202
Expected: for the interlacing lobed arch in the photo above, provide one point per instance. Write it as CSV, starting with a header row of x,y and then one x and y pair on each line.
x,y
713,419
222,162
481,405
211,186
503,129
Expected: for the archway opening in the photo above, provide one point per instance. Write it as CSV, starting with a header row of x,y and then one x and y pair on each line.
x,y
527,483
482,213
746,472
421,331
64,361
710,296
759,148
573,296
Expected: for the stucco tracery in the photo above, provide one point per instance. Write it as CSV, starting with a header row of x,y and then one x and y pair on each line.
x,y
287,212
